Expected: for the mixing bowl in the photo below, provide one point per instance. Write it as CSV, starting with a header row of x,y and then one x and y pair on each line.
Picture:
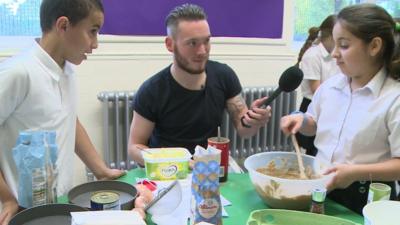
x,y
284,193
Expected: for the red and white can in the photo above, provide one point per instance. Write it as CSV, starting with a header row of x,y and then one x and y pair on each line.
x,y
222,144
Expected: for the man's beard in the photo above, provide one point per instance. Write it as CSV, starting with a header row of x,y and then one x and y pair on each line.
x,y
184,64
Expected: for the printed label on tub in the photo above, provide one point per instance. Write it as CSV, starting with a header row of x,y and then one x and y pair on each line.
x,y
168,171
165,171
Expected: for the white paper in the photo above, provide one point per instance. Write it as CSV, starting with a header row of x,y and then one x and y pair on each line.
x,y
224,201
200,151
110,217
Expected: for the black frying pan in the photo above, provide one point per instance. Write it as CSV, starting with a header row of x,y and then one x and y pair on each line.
x,y
81,194
50,214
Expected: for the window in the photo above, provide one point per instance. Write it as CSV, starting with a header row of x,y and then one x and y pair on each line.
x,y
19,19
392,6
310,13
19,23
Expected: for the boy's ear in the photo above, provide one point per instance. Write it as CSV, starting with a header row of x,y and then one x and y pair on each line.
x,y
62,23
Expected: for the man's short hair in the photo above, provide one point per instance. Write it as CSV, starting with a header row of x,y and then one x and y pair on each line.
x,y
186,12
74,10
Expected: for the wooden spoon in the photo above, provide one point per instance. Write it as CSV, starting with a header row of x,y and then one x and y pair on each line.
x,y
299,158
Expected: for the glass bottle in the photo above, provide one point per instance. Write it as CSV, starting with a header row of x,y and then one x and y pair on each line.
x,y
39,175
317,200
50,165
39,187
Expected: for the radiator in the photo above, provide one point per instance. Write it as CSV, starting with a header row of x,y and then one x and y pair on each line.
x,y
117,116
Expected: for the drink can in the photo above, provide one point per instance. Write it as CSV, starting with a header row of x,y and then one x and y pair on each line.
x,y
378,191
222,144
105,200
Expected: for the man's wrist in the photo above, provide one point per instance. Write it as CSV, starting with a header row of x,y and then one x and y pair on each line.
x,y
243,123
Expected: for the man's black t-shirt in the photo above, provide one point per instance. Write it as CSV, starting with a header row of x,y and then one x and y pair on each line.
x,y
182,117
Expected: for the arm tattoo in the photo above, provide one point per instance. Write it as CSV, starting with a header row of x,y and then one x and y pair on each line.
x,y
235,107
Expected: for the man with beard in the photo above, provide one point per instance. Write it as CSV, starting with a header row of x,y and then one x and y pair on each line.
x,y
183,105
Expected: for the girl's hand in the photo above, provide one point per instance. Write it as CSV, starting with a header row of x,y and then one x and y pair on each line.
x,y
145,196
291,124
344,176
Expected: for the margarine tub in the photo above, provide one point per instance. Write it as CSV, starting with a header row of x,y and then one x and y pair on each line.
x,y
166,163
384,212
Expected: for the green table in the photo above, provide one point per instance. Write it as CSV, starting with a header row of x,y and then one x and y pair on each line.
x,y
241,193
244,198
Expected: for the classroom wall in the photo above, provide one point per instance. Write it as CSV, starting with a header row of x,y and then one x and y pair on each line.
x,y
123,63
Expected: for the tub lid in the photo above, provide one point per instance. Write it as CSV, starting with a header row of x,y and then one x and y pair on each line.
x,y
166,154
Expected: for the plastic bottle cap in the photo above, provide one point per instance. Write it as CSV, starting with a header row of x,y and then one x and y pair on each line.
x,y
319,194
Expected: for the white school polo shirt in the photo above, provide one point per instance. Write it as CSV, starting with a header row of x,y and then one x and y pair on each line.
x,y
357,127
316,64
35,93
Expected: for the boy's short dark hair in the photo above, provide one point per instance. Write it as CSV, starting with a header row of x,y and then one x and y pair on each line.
x,y
74,10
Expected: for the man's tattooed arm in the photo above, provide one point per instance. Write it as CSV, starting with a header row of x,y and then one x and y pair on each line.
x,y
236,107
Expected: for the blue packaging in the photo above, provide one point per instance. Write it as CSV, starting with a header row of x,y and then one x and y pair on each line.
x,y
35,154
206,203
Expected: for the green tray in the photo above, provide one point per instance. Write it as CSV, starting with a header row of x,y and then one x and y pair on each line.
x,y
291,217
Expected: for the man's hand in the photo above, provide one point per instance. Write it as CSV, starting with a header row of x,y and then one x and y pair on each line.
x,y
257,115
10,208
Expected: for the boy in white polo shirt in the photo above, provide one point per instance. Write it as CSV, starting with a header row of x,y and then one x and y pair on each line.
x,y
38,91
